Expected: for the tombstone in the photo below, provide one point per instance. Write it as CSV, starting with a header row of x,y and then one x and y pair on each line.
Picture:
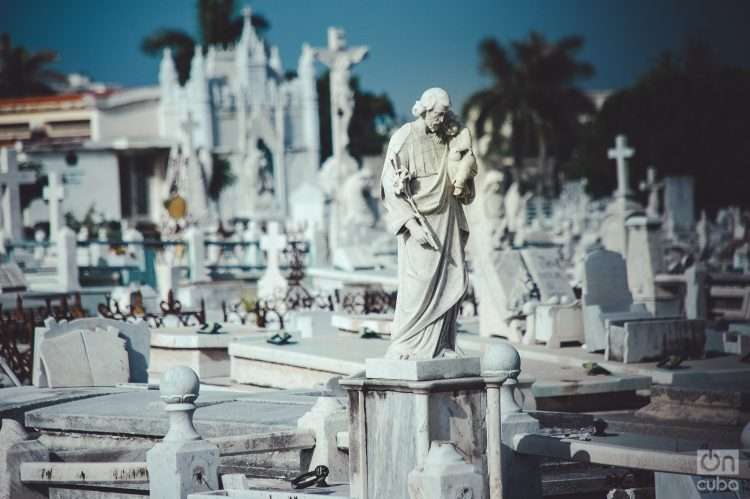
x,y
606,296
196,254
679,204
93,355
12,279
557,317
11,179
645,260
504,286
546,270
67,260
54,194
84,358
653,188
273,281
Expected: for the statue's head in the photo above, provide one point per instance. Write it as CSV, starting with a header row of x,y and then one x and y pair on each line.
x,y
433,107
336,38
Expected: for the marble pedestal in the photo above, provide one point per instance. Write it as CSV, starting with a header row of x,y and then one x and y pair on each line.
x,y
392,422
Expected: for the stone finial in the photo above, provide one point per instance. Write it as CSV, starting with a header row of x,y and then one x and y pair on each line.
x,y
503,360
179,388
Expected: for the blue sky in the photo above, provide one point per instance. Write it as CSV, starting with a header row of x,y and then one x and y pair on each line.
x,y
413,44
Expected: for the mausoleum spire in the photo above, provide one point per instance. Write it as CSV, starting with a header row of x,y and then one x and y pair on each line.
x,y
167,71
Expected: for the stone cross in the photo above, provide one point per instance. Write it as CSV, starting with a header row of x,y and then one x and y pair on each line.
x,y
54,194
273,243
620,153
653,187
273,280
340,59
11,180
193,183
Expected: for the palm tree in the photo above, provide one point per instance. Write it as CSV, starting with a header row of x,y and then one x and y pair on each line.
x,y
219,25
534,91
23,73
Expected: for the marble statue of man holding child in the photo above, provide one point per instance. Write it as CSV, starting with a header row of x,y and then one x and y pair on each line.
x,y
427,179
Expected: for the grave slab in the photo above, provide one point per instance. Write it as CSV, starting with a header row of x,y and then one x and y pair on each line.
x,y
303,364
206,354
141,413
422,370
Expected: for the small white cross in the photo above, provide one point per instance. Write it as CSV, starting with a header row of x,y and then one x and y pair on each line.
x,y
11,179
54,194
273,243
620,154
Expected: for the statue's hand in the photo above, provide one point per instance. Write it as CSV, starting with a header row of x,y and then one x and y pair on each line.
x,y
422,234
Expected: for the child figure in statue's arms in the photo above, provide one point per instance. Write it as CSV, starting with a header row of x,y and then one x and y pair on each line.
x,y
462,165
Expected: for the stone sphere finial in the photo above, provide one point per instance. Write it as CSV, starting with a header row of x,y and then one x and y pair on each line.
x,y
502,359
179,385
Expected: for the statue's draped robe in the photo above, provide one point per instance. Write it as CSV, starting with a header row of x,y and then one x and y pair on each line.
x,y
431,283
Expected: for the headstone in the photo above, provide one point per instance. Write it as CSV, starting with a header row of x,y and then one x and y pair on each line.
x,y
679,203
11,179
54,194
85,358
67,264
196,254
645,259
605,295
653,188
652,340
273,281
546,270
135,339
12,279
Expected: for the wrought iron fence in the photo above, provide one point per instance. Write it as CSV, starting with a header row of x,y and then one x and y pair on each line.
x,y
17,328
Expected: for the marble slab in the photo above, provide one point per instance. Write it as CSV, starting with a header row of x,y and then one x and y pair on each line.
x,y
422,370
377,323
141,413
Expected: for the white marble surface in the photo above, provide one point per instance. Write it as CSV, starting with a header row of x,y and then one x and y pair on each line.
x,y
377,323
188,337
422,370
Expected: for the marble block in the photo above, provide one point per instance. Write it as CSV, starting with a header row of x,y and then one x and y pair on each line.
x,y
392,423
422,370
643,341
